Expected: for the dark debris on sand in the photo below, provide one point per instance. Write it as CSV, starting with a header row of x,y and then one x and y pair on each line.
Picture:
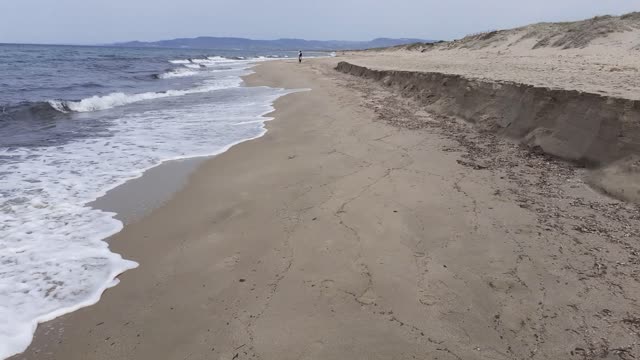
x,y
597,238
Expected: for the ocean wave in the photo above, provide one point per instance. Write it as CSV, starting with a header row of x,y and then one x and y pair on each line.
x,y
96,103
28,110
196,60
53,108
195,69
180,72
49,109
212,60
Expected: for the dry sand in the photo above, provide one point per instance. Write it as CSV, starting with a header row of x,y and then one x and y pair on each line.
x,y
361,227
607,73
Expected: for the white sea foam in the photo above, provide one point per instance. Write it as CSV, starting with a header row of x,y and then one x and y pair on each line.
x,y
53,259
180,72
207,60
58,105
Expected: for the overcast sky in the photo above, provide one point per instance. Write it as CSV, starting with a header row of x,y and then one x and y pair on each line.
x,y
104,21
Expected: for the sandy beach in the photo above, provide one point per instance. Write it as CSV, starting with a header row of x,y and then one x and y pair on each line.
x,y
362,227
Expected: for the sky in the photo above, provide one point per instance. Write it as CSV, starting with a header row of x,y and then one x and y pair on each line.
x,y
107,21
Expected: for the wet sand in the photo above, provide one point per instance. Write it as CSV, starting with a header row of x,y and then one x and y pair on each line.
x,y
136,198
361,227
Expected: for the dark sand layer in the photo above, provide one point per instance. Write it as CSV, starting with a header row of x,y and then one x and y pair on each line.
x,y
362,227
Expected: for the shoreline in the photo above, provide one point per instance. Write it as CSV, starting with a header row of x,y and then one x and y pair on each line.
x,y
67,263
115,199
129,210
360,226
136,197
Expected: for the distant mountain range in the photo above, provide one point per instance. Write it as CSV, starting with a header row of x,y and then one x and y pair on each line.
x,y
230,43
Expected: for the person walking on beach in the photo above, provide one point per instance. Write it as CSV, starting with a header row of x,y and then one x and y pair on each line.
x,y
300,56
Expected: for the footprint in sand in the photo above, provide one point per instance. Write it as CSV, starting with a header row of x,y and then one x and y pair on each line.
x,y
313,351
229,262
327,288
368,298
435,293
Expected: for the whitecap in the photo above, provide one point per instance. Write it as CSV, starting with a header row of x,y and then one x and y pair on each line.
x,y
112,100
181,72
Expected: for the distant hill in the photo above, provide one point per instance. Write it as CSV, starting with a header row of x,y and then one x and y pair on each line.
x,y
230,43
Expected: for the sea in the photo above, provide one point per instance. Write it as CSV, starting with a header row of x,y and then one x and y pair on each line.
x,y
77,121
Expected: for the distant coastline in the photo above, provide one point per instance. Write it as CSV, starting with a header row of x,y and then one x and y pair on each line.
x,y
234,43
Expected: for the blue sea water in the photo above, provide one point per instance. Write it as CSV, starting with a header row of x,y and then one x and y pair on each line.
x,y
74,123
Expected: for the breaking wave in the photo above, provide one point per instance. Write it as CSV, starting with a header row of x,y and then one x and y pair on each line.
x,y
96,103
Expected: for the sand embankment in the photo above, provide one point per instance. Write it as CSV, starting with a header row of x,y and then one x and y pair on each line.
x,y
589,128
572,89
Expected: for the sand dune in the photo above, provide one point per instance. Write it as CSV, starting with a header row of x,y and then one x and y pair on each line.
x,y
613,31
599,55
